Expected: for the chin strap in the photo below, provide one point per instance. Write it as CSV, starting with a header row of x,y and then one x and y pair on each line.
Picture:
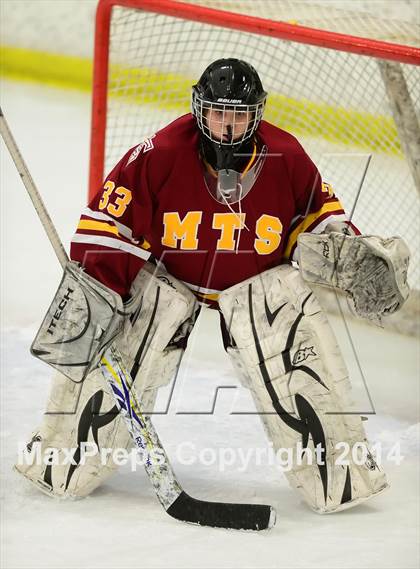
x,y
223,156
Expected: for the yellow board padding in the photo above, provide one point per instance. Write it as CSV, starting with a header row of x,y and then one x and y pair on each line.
x,y
350,127
56,70
169,91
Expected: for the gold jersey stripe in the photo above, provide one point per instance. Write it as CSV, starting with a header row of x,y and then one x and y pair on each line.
x,y
205,296
97,226
309,220
251,161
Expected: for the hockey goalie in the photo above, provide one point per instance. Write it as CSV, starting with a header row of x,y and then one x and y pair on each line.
x,y
219,208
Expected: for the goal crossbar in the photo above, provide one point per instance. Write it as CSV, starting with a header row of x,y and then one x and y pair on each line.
x,y
221,18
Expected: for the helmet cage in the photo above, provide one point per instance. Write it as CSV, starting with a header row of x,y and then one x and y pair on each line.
x,y
252,114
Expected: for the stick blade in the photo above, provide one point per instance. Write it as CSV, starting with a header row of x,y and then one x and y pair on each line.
x,y
254,517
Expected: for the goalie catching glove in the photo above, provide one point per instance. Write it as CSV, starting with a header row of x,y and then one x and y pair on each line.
x,y
372,270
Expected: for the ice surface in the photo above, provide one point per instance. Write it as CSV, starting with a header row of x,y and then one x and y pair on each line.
x,y
122,523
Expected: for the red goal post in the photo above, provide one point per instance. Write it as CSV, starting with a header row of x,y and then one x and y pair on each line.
x,y
340,94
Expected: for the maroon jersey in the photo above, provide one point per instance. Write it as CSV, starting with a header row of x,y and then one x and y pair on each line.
x,y
155,202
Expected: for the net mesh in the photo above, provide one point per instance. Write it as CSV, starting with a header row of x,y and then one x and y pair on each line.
x,y
385,23
334,102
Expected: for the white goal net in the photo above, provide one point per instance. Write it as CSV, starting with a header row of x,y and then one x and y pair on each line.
x,y
335,102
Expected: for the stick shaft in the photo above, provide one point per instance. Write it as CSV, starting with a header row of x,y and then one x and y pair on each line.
x,y
32,191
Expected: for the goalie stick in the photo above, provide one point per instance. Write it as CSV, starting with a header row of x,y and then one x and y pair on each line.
x,y
176,502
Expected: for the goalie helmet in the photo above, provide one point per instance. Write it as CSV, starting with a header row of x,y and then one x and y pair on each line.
x,y
228,103
230,95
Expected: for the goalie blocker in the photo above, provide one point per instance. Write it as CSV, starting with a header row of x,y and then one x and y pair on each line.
x,y
80,412
84,317
285,352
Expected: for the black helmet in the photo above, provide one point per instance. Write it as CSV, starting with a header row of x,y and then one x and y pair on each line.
x,y
231,88
228,102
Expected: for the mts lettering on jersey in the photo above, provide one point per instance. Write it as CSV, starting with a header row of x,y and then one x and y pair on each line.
x,y
158,204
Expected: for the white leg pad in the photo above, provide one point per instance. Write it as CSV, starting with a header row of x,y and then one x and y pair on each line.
x,y
285,350
78,415
160,317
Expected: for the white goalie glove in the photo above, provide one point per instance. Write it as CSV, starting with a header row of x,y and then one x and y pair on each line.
x,y
372,270
83,318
